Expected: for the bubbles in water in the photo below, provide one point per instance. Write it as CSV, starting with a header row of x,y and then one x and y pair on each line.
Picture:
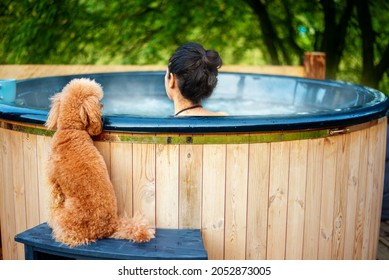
x,y
146,106
143,94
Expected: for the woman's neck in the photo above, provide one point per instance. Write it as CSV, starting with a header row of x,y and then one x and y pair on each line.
x,y
188,108
181,105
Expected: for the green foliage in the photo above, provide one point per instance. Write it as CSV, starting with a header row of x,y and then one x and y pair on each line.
x,y
120,32
40,30
148,31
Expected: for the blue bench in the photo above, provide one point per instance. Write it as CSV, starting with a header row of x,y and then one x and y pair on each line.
x,y
169,244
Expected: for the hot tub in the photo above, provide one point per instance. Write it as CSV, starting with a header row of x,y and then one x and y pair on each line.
x,y
295,172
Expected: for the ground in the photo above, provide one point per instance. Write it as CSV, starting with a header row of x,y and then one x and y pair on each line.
x,y
383,245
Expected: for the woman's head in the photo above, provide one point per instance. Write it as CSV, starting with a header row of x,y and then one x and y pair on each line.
x,y
196,70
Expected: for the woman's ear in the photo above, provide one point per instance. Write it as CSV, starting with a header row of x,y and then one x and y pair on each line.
x,y
172,80
52,118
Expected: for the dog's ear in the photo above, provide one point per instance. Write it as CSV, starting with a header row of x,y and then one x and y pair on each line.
x,y
52,118
90,113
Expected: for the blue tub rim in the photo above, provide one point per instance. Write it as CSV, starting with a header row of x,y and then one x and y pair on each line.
x,y
222,124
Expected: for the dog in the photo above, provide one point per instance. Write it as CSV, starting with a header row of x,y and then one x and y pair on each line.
x,y
83,205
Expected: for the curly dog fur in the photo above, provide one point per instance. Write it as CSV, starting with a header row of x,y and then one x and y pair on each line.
x,y
83,202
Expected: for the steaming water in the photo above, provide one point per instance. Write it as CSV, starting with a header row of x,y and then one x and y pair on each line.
x,y
235,94
162,106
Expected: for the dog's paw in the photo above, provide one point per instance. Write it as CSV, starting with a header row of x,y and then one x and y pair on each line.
x,y
143,234
135,229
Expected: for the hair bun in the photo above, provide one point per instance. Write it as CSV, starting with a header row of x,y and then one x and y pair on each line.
x,y
196,70
212,60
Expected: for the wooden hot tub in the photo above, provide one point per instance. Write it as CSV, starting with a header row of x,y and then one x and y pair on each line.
x,y
305,184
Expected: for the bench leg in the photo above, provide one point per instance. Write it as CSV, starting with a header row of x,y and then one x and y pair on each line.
x,y
29,253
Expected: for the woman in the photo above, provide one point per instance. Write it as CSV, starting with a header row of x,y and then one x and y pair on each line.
x,y
190,78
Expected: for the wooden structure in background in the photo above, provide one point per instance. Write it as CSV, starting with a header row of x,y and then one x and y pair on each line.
x,y
32,71
315,65
303,199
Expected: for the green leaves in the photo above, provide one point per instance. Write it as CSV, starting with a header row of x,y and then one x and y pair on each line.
x,y
148,31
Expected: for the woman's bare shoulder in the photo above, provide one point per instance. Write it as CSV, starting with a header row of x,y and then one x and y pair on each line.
x,y
202,112
218,114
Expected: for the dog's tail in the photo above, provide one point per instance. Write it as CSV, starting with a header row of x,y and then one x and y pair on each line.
x,y
135,229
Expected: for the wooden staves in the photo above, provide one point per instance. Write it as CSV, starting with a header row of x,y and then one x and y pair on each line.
x,y
313,198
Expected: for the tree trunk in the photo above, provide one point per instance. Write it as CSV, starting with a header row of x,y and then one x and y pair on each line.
x,y
334,34
368,38
371,74
269,33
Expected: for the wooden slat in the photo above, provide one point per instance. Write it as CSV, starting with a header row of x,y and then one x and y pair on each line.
x,y
19,203
369,200
190,182
362,194
236,201
166,197
144,180
343,154
382,128
257,202
352,194
2,190
105,150
8,229
313,198
31,179
378,175
213,220
278,200
43,147
328,197
296,199
121,176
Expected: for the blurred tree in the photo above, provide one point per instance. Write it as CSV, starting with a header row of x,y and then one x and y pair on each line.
x,y
375,45
329,26
121,31
249,32
336,23
43,31
330,39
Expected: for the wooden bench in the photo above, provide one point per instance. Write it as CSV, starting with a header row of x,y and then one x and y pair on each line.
x,y
169,244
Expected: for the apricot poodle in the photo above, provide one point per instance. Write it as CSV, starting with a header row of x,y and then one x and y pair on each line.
x,y
83,202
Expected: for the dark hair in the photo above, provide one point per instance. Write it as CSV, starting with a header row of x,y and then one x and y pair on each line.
x,y
196,70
